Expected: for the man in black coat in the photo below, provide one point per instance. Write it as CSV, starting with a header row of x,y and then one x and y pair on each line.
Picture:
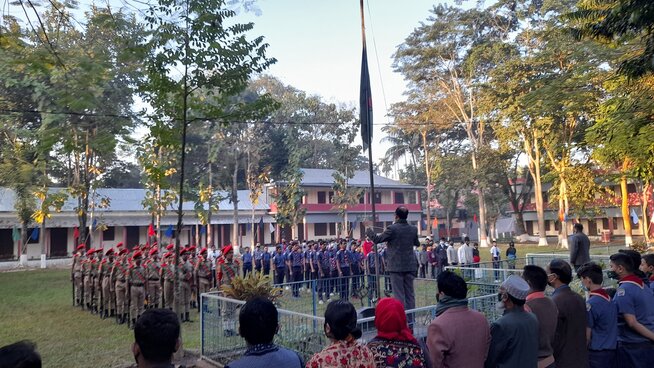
x,y
402,265
579,247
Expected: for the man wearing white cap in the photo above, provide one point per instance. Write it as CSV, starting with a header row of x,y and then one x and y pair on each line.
x,y
514,336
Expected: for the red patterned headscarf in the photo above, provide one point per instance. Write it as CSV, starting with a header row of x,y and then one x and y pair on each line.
x,y
390,321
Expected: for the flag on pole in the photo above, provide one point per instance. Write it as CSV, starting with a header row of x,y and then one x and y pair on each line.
x,y
35,234
365,99
634,217
169,231
203,229
76,232
261,223
15,234
272,228
150,230
474,217
434,224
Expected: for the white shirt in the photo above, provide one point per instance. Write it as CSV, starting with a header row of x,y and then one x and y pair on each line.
x,y
451,255
463,254
495,252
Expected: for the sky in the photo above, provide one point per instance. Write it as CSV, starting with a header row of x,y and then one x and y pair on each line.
x,y
317,44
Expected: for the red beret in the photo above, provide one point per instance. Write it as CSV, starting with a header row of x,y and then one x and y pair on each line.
x,y
90,251
203,250
167,254
154,251
119,245
227,249
81,247
137,254
136,247
170,246
123,251
110,251
183,251
191,249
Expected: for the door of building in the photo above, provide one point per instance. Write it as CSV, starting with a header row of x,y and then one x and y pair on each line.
x,y
132,237
58,242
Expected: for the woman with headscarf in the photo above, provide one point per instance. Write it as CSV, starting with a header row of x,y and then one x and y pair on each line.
x,y
344,350
394,345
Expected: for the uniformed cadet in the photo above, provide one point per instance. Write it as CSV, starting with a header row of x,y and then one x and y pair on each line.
x,y
344,261
77,276
279,266
258,257
227,268
287,260
306,255
296,261
119,273
87,266
203,272
104,273
247,261
95,276
266,260
313,266
186,278
168,276
193,260
153,271
333,272
635,304
355,268
602,318
137,279
322,259
371,270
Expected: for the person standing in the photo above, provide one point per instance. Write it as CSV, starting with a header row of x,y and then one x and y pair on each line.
x,y
400,238
227,269
156,338
136,279
452,257
570,349
77,276
167,274
602,328
104,272
371,271
579,247
266,260
203,272
635,304
153,271
511,255
495,257
449,341
514,336
257,258
247,261
545,310
185,278
119,274
279,266
343,263
87,266
296,261
423,262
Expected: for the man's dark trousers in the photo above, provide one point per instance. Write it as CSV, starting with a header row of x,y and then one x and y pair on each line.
x,y
402,284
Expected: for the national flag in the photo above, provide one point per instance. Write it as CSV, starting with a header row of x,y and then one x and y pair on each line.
x,y
474,217
15,234
261,223
76,232
365,100
151,230
169,231
203,229
434,224
272,228
35,234
94,226
634,217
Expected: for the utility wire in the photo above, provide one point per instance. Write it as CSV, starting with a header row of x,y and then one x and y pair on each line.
x,y
374,45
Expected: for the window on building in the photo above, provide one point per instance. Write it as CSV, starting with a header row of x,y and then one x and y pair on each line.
x,y
378,198
320,229
331,197
547,225
30,236
332,228
546,197
412,198
398,197
109,234
243,229
631,188
557,225
322,197
362,198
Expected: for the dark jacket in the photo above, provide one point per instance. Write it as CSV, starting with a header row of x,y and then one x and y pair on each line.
x,y
579,249
400,239
514,341
569,343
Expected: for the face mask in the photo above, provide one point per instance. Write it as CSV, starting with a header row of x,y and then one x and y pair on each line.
x,y
584,288
613,275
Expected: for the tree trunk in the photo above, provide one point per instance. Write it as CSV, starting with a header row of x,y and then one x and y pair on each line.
x,y
646,189
540,205
519,223
424,145
562,207
448,224
483,241
42,244
236,233
209,240
626,220
24,236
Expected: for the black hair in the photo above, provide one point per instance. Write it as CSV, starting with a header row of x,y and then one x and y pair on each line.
x,y
579,227
341,317
21,354
535,276
258,321
593,271
466,239
402,212
635,260
561,269
156,332
624,260
452,285
649,259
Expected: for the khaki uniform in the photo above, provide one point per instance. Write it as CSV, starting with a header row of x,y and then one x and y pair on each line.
x,y
95,281
153,270
78,278
88,282
108,297
119,273
203,272
168,275
137,279
226,273
186,278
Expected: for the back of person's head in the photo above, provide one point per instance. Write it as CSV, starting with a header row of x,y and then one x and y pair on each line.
x,y
624,260
258,321
402,212
593,271
21,354
156,334
649,259
341,317
635,260
452,285
535,276
561,269
579,227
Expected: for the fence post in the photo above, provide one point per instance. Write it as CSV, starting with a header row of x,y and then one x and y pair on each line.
x,y
202,309
313,297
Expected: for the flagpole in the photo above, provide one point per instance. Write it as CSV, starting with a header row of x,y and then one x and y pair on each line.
x,y
368,138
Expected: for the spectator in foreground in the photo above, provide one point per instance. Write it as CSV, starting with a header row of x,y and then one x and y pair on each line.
x,y
514,336
344,351
21,354
635,315
545,310
570,349
602,329
156,336
394,345
258,325
451,341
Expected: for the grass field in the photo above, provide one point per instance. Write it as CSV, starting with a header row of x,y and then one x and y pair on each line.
x,y
36,305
